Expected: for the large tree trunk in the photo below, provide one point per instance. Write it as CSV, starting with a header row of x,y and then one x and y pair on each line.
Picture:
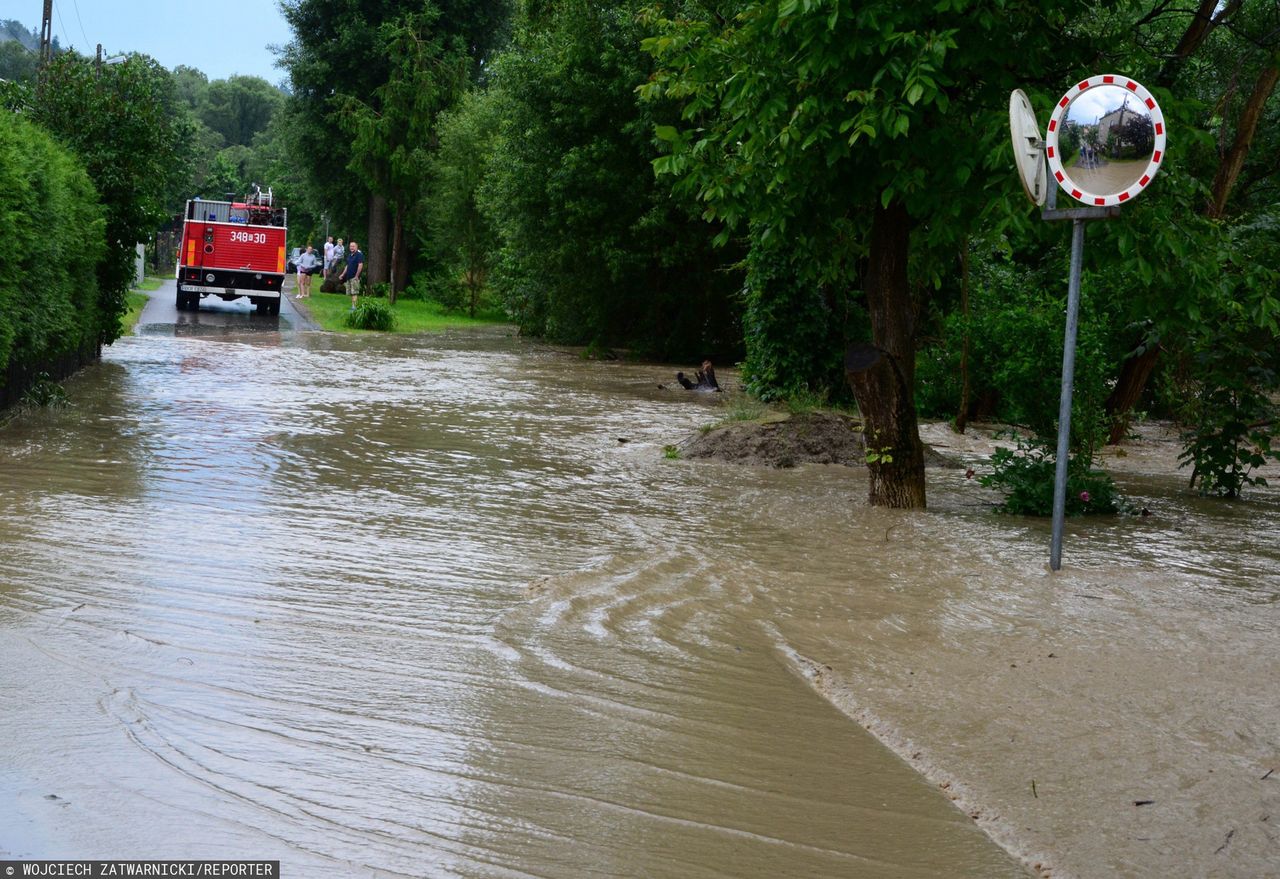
x,y
882,374
962,417
1202,24
399,267
375,250
1132,381
1246,127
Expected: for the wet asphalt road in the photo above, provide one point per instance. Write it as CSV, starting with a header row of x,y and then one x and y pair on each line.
x,y
217,317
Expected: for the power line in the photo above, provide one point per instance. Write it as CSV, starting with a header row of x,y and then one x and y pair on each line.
x,y
58,10
76,6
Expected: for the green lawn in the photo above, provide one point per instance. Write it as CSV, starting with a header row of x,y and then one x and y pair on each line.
x,y
412,315
136,302
152,282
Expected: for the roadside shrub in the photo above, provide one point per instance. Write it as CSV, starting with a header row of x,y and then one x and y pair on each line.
x,y
1232,411
54,238
45,393
1015,330
1026,477
372,314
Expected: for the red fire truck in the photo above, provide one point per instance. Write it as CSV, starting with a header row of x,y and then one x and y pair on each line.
x,y
232,249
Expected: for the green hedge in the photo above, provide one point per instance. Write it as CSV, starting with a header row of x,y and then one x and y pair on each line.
x,y
52,236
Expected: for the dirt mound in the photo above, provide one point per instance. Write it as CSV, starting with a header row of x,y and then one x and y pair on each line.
x,y
781,440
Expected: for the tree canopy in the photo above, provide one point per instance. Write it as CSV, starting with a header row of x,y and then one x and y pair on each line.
x,y
825,190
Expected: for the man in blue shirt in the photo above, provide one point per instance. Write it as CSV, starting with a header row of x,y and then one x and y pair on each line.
x,y
351,274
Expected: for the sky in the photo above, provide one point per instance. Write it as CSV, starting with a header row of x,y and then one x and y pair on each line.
x,y
1099,101
219,37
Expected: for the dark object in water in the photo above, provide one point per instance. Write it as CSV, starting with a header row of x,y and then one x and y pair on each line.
x,y
706,379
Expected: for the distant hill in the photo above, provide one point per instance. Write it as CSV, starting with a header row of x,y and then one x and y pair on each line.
x,y
12,29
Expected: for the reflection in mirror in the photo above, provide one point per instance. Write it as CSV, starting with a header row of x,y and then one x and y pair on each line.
x,y
1107,140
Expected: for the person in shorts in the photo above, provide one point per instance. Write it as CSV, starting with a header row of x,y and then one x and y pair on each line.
x,y
307,262
351,273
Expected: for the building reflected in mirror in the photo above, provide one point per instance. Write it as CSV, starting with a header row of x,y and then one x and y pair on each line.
x,y
1107,140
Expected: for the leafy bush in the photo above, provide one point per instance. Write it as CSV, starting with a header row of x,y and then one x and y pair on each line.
x,y
122,123
50,312
45,393
1015,330
1232,410
589,243
1026,477
372,314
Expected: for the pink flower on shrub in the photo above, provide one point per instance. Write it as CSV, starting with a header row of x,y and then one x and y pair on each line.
x,y
1084,496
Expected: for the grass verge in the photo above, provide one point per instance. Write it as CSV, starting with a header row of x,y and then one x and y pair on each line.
x,y
412,315
136,302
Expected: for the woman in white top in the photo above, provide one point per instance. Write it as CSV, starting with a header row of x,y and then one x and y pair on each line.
x,y
307,263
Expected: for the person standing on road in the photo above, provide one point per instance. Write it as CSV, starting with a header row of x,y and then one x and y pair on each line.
x,y
351,274
339,255
307,263
328,256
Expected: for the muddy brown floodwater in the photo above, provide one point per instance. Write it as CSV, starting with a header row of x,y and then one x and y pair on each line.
x,y
411,607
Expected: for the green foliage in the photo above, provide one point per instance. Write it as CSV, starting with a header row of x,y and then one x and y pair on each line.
x,y
1232,410
124,123
1026,477
801,119
392,130
795,326
228,174
45,393
237,108
49,303
1015,330
137,302
805,400
741,407
17,62
671,453
591,245
361,79
412,316
879,455
460,236
372,314
597,351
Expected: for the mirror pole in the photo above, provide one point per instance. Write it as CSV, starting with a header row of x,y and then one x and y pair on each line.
x,y
1064,405
1051,197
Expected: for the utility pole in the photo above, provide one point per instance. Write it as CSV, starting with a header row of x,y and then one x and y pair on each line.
x,y
46,34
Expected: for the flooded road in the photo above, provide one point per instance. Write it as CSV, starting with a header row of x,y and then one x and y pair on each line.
x,y
409,607
438,606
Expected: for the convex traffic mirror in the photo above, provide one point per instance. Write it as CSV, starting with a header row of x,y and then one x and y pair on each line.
x,y
1106,140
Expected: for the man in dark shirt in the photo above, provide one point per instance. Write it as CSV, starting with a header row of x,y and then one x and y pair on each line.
x,y
351,274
